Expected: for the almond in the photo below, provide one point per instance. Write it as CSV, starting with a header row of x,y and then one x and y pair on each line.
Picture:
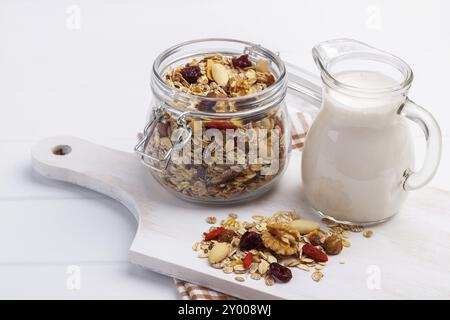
x,y
209,64
262,65
304,226
219,252
219,74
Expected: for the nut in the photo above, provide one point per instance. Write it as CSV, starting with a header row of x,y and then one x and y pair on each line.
x,y
251,76
315,237
304,226
281,238
219,74
262,65
219,252
332,245
209,64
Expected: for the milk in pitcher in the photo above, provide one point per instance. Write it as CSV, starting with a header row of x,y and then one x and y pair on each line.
x,y
357,152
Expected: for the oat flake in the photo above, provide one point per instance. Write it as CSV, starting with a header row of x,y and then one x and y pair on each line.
x,y
368,233
317,276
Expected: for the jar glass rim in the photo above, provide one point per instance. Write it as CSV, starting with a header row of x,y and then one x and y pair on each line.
x,y
279,83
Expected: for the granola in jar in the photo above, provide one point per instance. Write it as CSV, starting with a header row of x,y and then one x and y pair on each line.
x,y
222,133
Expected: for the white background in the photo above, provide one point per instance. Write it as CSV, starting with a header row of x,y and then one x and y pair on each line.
x,y
82,68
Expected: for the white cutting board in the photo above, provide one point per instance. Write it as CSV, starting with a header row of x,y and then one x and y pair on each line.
x,y
408,257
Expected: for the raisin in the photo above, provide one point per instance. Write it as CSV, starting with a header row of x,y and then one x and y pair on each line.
x,y
250,240
279,272
191,73
206,106
242,61
226,236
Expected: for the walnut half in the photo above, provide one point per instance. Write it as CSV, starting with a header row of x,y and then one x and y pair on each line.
x,y
281,238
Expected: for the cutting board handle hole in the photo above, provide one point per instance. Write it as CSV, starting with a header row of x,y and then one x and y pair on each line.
x,y
61,150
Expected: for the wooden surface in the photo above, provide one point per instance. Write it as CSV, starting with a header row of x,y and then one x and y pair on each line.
x,y
407,257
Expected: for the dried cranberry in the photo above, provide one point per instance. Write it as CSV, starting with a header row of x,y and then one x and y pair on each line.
x,y
214,233
250,240
312,252
279,272
221,125
191,74
242,61
248,260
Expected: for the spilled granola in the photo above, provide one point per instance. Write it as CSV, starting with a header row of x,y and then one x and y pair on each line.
x,y
268,247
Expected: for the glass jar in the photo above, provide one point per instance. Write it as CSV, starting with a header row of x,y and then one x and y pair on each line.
x,y
235,149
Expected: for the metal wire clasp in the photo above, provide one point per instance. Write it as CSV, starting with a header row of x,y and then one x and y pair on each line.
x,y
183,136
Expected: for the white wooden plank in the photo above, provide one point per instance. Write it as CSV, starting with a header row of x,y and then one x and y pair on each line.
x,y
38,231
96,281
19,182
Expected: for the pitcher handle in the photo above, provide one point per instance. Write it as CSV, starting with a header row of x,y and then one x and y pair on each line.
x,y
428,124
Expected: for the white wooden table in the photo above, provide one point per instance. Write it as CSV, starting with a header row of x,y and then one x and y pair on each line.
x,y
90,79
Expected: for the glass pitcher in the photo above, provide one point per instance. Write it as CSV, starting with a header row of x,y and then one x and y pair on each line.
x,y
357,164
